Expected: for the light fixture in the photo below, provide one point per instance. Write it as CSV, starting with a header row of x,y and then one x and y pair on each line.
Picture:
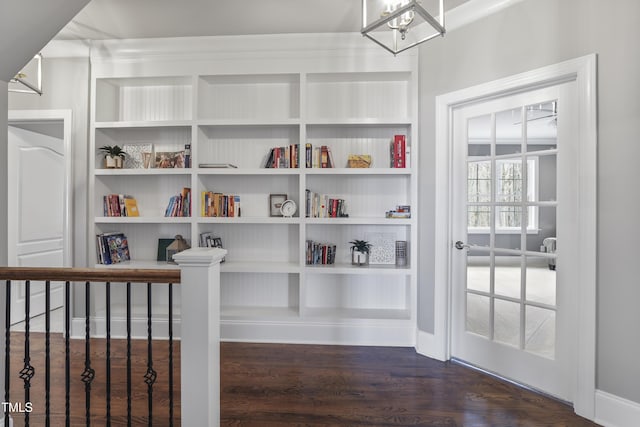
x,y
398,25
30,77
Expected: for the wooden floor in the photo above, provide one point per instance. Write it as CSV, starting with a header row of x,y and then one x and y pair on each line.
x,y
297,385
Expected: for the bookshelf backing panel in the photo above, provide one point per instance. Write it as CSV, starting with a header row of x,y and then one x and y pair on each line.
x,y
260,290
144,99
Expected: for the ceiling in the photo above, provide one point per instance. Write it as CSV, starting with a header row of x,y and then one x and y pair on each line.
x,y
124,19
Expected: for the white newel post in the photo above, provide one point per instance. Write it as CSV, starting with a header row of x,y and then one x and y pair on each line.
x,y
200,336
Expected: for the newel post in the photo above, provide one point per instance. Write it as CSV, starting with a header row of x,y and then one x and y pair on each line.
x,y
200,336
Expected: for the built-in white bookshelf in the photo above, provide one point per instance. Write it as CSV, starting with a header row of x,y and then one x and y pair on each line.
x,y
236,114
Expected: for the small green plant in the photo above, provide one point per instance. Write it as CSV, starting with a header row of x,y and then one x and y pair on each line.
x,y
113,151
360,246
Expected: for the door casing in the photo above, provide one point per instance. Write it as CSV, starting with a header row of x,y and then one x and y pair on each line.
x,y
583,71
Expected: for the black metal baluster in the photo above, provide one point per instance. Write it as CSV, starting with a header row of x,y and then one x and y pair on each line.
x,y
67,353
108,355
129,354
27,371
88,374
151,375
47,352
171,354
7,351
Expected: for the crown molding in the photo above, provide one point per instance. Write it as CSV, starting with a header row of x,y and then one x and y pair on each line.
x,y
461,16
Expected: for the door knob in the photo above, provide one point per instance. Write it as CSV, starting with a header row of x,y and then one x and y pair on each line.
x,y
461,245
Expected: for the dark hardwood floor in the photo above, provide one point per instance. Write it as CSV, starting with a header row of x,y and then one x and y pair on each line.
x,y
295,385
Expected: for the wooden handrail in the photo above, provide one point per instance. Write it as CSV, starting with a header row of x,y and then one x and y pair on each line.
x,y
119,275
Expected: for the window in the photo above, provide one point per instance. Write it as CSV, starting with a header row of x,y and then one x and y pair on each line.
x,y
509,189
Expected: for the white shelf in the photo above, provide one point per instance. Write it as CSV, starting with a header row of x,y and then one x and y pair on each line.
x,y
247,122
358,171
262,313
391,270
143,172
356,314
358,221
358,121
141,264
247,171
142,220
143,124
259,267
248,220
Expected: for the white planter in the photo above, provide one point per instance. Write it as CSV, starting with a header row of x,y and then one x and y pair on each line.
x,y
359,258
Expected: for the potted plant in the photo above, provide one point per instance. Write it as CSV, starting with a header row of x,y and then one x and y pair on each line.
x,y
113,156
360,252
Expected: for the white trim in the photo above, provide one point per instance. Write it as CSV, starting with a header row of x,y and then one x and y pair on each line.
x,y
583,71
35,116
425,345
475,10
614,411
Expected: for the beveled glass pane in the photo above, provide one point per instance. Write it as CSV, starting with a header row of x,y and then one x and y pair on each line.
x,y
509,217
509,180
479,136
508,277
542,126
479,273
506,322
509,132
540,331
546,180
479,181
478,309
541,280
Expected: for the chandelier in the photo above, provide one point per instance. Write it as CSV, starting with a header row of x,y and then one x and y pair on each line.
x,y
398,25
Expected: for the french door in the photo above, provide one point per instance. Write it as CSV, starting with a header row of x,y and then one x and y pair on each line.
x,y
513,252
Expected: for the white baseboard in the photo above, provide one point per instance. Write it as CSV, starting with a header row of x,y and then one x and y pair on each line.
x,y
614,411
370,333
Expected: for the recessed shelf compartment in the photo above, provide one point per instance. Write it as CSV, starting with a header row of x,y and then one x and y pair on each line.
x,y
143,99
341,96
254,294
249,97
244,146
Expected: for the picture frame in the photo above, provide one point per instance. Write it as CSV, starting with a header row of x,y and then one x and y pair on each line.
x,y
169,159
275,202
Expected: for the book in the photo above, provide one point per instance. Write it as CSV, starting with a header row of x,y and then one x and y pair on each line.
x,y
112,248
399,151
162,248
131,206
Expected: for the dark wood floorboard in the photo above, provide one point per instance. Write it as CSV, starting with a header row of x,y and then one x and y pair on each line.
x,y
294,385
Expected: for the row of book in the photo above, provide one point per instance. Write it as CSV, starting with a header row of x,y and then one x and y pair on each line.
x,y
318,157
283,157
320,253
119,205
180,204
400,154
219,205
401,211
323,206
112,248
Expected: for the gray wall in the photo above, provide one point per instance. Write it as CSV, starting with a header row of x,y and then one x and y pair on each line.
x,y
66,87
529,35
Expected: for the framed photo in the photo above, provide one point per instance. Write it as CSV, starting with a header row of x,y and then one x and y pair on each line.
x,y
170,159
275,202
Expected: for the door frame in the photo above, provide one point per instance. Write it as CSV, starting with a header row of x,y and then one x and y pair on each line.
x,y
35,116
582,71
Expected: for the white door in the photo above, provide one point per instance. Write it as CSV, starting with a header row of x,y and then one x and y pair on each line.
x,y
514,165
37,205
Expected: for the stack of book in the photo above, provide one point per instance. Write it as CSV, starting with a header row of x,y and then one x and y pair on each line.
x,y
112,248
401,211
283,157
400,152
320,253
323,206
318,157
219,205
180,204
119,205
